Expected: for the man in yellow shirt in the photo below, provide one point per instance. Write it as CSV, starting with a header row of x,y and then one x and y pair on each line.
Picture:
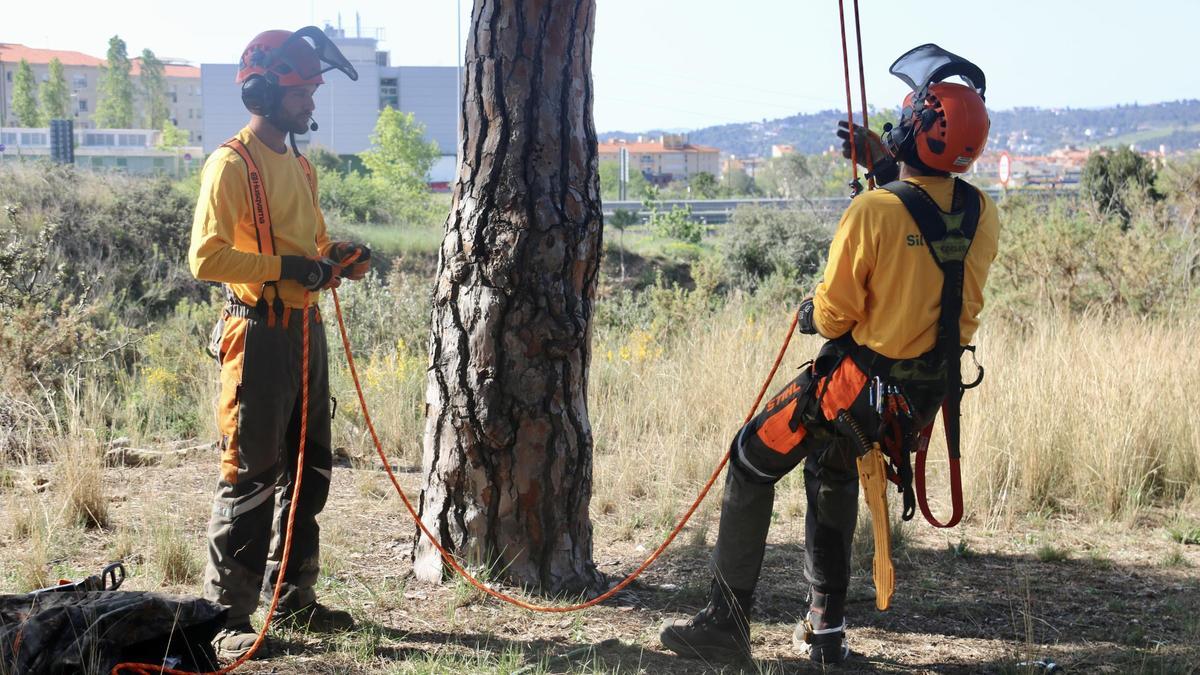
x,y
258,230
895,334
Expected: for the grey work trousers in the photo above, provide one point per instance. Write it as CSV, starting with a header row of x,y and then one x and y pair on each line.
x,y
832,513
259,417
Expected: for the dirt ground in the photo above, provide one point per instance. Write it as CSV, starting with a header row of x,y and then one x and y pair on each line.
x,y
1091,597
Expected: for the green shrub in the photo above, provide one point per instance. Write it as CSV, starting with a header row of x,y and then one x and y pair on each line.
x,y
354,197
1058,257
761,242
676,224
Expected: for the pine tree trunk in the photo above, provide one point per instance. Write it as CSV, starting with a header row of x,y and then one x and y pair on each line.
x,y
508,444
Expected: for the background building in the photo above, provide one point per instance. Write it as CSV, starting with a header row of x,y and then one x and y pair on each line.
x,y
133,151
670,157
347,110
82,73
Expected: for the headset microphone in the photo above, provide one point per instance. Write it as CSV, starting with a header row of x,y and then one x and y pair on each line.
x,y
312,124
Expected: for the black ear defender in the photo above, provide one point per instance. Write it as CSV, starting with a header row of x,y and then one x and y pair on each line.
x,y
260,94
899,139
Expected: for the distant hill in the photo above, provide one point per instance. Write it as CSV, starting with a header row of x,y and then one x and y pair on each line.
x,y
1174,124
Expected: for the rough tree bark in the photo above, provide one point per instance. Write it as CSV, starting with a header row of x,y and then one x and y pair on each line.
x,y
508,444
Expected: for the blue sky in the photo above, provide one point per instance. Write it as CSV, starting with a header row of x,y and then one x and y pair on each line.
x,y
695,63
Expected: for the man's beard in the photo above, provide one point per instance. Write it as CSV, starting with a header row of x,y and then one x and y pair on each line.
x,y
295,125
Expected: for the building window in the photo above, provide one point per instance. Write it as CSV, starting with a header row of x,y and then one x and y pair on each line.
x,y
389,93
191,114
80,81
381,59
159,162
97,161
122,162
8,76
83,105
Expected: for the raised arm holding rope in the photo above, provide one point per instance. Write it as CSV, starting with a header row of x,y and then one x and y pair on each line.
x,y
895,335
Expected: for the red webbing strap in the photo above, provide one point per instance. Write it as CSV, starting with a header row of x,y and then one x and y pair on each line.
x,y
956,498
259,209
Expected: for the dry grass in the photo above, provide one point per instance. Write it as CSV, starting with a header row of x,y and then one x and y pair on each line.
x,y
174,554
1085,415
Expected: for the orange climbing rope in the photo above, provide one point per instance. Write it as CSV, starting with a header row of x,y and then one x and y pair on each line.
x,y
855,186
150,669
862,85
500,595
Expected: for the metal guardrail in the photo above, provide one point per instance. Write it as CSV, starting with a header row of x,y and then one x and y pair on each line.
x,y
719,211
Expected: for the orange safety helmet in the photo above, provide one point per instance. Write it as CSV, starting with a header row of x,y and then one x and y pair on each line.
x,y
272,54
944,125
951,129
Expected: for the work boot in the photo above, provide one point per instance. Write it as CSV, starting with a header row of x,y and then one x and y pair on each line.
x,y
316,618
826,645
721,631
231,642
822,633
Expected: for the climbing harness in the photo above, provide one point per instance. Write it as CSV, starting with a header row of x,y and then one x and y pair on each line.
x,y
948,237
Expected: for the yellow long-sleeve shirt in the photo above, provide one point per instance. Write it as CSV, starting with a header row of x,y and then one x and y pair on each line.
x,y
881,284
224,244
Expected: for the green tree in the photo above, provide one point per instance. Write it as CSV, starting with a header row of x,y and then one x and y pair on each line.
x,y
738,183
24,104
704,186
788,176
171,140
622,219
115,108
56,100
325,159
154,91
610,182
399,155
1117,181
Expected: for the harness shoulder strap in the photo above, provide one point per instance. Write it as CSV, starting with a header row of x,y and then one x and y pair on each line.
x,y
948,237
259,208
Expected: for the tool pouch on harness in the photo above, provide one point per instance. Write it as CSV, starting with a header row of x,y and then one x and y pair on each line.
x,y
776,440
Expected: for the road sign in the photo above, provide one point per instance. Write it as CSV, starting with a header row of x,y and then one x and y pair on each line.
x,y
1005,168
187,156
1,147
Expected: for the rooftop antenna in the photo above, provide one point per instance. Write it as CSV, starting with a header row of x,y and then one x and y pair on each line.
x,y
357,26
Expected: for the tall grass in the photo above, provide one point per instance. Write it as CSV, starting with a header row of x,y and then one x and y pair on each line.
x,y
1085,414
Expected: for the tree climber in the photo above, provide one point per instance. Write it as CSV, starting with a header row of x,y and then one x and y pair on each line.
x,y
895,335
258,230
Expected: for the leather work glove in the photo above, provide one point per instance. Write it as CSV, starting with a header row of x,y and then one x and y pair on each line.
x,y
315,275
343,250
806,324
867,143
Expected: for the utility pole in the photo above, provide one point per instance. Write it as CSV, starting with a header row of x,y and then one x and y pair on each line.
x,y
458,66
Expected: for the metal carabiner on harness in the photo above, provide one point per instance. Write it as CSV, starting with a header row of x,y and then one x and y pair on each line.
x,y
978,369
